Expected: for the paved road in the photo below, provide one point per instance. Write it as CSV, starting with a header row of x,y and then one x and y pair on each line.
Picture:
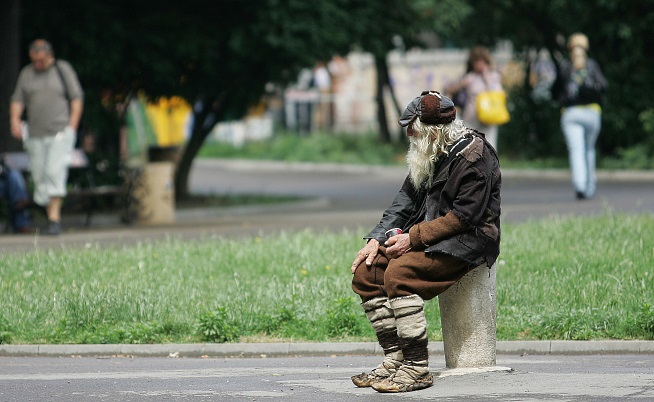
x,y
318,379
525,194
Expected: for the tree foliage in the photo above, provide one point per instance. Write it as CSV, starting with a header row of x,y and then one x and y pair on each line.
x,y
218,55
386,25
619,33
221,55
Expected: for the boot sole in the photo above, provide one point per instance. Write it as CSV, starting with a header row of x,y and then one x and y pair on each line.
x,y
390,386
363,380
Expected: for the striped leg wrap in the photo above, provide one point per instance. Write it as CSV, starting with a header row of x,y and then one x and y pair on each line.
x,y
381,317
412,330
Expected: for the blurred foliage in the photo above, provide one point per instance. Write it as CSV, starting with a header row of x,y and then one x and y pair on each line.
x,y
221,55
187,48
533,131
618,31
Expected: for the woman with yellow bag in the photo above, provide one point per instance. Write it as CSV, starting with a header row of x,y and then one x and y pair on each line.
x,y
481,78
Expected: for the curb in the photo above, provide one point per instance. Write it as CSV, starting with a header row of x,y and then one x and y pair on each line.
x,y
313,349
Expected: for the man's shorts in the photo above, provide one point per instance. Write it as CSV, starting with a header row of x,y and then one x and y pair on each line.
x,y
50,158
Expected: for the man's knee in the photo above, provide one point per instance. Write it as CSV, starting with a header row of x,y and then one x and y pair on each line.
x,y
396,282
357,280
368,282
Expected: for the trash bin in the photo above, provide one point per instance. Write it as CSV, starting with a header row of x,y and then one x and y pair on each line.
x,y
153,192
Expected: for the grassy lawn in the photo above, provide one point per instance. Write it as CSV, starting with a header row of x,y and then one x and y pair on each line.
x,y
572,278
368,149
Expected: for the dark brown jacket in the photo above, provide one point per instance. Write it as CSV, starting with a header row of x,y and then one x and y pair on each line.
x,y
459,214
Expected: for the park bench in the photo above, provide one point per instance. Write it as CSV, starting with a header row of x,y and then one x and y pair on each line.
x,y
82,180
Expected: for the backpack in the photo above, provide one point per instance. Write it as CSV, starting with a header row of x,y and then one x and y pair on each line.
x,y
580,87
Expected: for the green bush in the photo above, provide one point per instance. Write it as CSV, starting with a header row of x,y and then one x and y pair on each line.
x,y
215,326
5,331
111,332
276,322
573,324
645,321
344,317
636,157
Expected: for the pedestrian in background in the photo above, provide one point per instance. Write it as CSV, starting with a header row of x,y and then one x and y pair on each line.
x,y
51,93
322,82
480,77
14,192
579,90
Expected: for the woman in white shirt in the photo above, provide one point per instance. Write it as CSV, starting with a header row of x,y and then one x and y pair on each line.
x,y
479,77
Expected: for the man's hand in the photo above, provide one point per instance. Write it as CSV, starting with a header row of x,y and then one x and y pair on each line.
x,y
368,253
398,245
16,129
15,122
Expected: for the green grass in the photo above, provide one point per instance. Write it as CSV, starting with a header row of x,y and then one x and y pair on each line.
x,y
318,147
369,150
578,278
562,278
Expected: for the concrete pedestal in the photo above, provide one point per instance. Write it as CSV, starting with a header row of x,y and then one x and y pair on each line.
x,y
154,194
468,320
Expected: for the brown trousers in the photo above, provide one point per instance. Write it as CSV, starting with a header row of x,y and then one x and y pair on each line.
x,y
416,272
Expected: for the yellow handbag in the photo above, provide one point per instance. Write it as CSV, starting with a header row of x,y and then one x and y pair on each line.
x,y
491,108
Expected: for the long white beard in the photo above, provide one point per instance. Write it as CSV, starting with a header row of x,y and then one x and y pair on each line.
x,y
419,159
429,143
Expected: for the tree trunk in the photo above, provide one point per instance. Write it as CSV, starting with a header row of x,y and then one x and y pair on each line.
x,y
9,67
382,73
203,122
387,80
384,81
391,90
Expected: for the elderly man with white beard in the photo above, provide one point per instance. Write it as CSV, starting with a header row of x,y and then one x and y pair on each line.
x,y
444,221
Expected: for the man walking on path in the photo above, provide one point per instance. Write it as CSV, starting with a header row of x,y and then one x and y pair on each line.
x,y
52,95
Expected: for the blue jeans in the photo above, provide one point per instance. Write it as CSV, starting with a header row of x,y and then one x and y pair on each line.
x,y
581,126
12,189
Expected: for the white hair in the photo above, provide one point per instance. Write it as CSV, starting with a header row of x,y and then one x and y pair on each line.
x,y
429,143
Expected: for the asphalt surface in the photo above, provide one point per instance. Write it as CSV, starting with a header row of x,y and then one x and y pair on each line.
x,y
319,379
337,198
